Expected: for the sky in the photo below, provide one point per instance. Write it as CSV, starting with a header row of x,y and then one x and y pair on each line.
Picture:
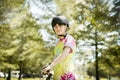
x,y
38,10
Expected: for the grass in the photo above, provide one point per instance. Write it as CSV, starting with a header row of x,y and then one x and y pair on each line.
x,y
37,79
22,79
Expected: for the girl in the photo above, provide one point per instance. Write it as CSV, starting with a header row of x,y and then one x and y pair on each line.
x,y
63,51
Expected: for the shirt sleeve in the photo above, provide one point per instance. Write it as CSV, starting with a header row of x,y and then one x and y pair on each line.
x,y
70,42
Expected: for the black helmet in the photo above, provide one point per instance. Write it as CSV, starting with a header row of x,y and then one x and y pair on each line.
x,y
59,20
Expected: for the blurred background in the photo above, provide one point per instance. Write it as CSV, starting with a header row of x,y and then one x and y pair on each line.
x,y
27,40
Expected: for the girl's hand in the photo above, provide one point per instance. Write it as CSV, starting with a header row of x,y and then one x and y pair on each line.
x,y
46,70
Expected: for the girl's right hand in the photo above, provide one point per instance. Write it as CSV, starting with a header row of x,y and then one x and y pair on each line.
x,y
46,70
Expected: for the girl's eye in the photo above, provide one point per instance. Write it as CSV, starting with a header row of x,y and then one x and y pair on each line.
x,y
55,26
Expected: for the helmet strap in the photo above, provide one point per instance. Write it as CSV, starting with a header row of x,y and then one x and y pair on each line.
x,y
63,35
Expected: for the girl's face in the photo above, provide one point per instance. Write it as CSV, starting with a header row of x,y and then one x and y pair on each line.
x,y
60,29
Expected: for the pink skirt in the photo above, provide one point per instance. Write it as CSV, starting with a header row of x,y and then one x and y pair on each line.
x,y
68,76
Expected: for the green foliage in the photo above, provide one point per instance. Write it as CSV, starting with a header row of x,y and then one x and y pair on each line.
x,y
7,6
21,43
111,61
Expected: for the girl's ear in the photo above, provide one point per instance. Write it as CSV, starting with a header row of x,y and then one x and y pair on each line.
x,y
54,30
67,28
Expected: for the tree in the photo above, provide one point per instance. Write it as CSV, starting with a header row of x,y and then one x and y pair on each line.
x,y
110,57
5,34
21,42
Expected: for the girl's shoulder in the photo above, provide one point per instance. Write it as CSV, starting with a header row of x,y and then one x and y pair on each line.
x,y
70,38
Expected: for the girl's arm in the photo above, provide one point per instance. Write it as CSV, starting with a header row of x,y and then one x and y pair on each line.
x,y
59,58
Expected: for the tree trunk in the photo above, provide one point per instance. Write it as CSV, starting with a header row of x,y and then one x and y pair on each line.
x,y
96,56
9,74
19,78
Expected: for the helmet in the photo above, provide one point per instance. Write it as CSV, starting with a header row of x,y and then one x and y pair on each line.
x,y
59,20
